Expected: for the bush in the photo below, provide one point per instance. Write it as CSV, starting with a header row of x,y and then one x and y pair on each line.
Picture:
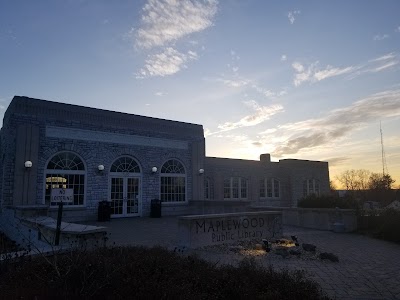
x,y
389,228
328,201
385,225
148,273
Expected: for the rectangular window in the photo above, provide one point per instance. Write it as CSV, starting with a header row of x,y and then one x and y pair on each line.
x,y
227,188
66,181
269,188
243,188
207,189
262,188
173,189
311,187
276,188
235,187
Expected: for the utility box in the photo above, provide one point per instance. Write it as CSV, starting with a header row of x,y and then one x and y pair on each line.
x,y
155,208
104,211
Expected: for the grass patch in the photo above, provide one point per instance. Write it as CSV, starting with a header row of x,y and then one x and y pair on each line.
x,y
148,273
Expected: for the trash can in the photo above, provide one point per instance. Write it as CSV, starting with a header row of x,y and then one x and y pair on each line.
x,y
155,208
104,211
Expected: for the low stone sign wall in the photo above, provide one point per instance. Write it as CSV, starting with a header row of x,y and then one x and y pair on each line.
x,y
203,230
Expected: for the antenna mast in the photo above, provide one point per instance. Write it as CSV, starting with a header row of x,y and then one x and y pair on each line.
x,y
384,165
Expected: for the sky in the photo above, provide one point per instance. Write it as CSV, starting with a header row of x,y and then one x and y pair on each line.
x,y
311,80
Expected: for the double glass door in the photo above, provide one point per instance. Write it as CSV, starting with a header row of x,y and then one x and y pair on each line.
x,y
125,196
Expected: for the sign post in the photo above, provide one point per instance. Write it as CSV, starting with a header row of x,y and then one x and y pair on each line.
x,y
58,228
61,196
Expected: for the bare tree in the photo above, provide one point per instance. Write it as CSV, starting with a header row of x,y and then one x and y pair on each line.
x,y
332,186
354,180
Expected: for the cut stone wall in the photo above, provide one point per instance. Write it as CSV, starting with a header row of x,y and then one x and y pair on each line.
x,y
62,127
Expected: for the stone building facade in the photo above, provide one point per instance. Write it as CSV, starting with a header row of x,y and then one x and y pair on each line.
x,y
94,155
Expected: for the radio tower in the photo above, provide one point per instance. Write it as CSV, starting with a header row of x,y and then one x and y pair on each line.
x,y
384,165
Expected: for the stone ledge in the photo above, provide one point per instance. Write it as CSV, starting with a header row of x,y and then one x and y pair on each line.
x,y
70,232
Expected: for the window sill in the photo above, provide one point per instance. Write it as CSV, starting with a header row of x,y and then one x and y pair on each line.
x,y
68,207
182,203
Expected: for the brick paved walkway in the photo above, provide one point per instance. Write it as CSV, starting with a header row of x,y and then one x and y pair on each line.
x,y
368,268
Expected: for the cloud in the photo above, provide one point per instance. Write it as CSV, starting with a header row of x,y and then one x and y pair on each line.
x,y
380,37
159,94
283,57
207,132
334,161
298,67
166,63
313,73
384,57
165,21
236,83
268,93
398,29
331,71
385,66
261,114
338,123
378,64
291,15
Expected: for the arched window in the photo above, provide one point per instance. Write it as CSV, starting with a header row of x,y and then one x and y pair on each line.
x,y
65,175
173,181
125,164
269,188
311,187
235,188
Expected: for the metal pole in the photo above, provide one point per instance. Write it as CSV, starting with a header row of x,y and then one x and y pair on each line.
x,y
58,228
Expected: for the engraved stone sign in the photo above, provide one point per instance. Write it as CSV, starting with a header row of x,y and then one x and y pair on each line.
x,y
202,230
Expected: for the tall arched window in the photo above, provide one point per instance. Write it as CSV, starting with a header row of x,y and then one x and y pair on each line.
x,y
173,181
65,171
125,185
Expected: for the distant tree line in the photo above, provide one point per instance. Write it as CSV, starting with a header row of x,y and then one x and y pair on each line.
x,y
359,180
364,185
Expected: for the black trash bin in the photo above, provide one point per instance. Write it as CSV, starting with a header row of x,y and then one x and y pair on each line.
x,y
104,211
155,208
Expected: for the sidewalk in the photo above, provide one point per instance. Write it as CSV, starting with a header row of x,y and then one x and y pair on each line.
x,y
367,269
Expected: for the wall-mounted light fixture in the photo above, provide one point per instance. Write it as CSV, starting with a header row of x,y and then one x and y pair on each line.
x,y
201,171
100,169
154,170
28,164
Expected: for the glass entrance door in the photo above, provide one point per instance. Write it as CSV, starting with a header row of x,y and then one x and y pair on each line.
x,y
125,196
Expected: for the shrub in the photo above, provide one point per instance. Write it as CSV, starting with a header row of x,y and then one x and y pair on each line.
x,y
328,201
149,273
388,229
384,224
